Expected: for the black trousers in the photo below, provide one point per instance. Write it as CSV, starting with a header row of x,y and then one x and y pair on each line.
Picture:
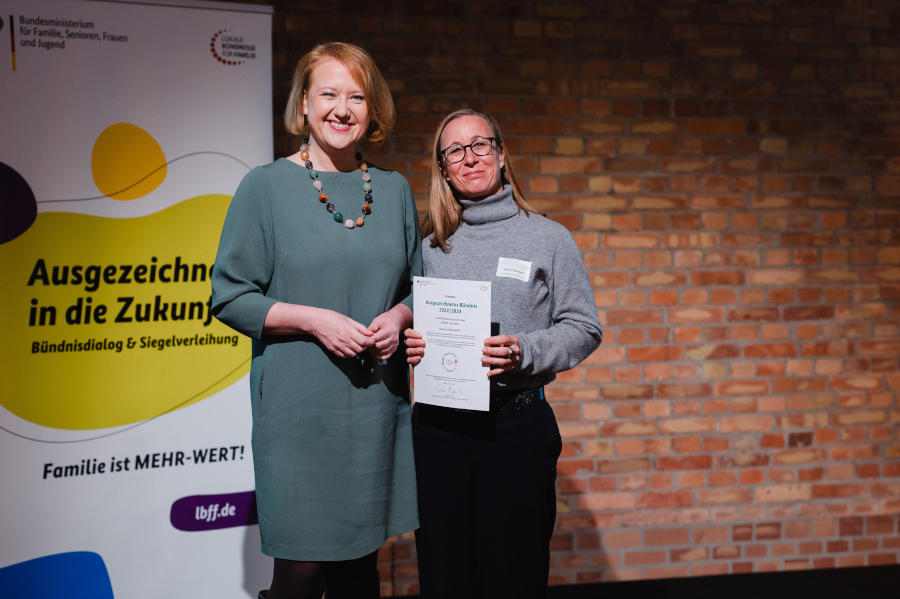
x,y
487,501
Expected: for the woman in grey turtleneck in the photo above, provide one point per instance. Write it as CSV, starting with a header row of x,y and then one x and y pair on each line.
x,y
487,480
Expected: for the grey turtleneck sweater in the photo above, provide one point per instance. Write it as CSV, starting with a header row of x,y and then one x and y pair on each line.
x,y
550,308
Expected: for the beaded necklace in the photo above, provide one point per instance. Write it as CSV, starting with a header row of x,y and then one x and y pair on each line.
x,y
323,197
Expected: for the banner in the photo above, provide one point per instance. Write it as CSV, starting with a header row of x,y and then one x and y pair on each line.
x,y
124,413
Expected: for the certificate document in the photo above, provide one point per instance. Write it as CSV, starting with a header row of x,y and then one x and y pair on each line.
x,y
454,317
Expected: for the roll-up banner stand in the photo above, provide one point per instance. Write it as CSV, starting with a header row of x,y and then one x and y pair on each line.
x,y
124,415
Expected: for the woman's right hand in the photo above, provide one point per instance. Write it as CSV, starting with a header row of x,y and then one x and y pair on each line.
x,y
415,346
340,334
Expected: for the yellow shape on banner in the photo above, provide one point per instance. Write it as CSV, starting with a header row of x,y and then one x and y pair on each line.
x,y
126,162
106,321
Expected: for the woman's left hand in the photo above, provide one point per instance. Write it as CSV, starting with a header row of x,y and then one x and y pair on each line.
x,y
500,353
386,328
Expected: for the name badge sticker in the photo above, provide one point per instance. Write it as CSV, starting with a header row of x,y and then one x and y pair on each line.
x,y
513,269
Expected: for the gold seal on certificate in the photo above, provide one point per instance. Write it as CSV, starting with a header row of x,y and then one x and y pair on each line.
x,y
454,317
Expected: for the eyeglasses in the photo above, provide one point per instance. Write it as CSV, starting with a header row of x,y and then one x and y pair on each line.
x,y
480,147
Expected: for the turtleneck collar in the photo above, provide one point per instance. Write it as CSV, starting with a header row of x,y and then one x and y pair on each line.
x,y
500,206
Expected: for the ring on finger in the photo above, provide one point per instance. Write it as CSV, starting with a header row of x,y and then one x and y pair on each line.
x,y
512,353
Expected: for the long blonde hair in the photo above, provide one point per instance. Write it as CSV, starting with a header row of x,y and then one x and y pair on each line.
x,y
444,213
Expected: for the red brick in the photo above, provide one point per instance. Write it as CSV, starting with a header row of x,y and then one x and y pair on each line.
x,y
687,425
799,456
659,278
867,471
725,496
709,569
630,427
684,462
691,240
656,500
718,277
661,537
681,315
837,546
712,534
645,557
768,531
688,165
881,559
886,347
602,484
711,444
772,441
709,352
837,490
746,423
742,532
715,127
615,392
630,241
827,348
693,554
606,501
747,314
621,539
858,417
782,493
569,466
808,313
850,526
629,447
889,490
663,353
727,552
771,350
650,573
879,525
623,465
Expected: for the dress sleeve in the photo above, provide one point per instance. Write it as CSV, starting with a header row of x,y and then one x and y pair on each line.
x,y
245,259
575,331
413,242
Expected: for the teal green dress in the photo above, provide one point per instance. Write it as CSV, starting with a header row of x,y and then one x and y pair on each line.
x,y
332,448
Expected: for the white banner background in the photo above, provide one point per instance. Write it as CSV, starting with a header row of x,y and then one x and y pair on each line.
x,y
164,73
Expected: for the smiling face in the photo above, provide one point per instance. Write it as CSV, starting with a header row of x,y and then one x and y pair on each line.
x,y
474,177
336,109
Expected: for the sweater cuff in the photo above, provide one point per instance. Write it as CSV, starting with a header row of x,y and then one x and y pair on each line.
x,y
526,362
247,313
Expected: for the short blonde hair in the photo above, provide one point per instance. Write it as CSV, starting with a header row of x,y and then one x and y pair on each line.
x,y
444,214
382,114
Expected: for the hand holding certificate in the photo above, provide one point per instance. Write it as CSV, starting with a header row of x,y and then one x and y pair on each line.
x,y
454,317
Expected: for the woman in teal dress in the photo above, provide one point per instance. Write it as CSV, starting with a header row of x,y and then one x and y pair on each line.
x,y
315,264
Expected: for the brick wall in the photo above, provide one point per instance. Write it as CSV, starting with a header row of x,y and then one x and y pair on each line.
x,y
731,171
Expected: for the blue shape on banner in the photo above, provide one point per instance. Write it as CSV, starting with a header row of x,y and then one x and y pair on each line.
x,y
211,512
75,575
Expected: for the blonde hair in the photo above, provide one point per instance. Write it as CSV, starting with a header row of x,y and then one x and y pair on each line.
x,y
382,114
444,214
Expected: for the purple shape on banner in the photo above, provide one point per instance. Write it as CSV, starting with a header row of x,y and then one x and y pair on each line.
x,y
211,512
19,207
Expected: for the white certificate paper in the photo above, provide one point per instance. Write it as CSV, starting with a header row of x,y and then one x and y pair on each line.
x,y
454,317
